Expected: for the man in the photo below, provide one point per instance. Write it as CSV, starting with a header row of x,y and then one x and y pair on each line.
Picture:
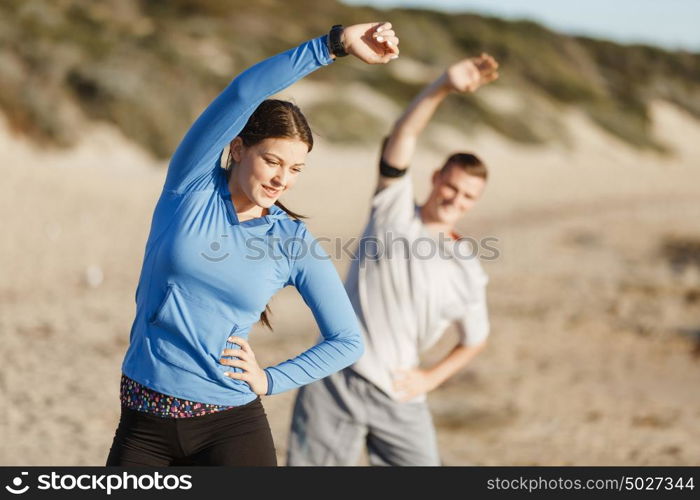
x,y
412,278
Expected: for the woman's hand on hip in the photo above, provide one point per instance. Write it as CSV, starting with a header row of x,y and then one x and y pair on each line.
x,y
252,373
373,43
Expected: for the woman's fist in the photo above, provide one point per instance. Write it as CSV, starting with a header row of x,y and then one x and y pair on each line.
x,y
373,43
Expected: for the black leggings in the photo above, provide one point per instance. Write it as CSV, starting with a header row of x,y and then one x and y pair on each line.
x,y
238,436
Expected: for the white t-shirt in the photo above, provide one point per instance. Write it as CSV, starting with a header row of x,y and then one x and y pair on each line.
x,y
406,287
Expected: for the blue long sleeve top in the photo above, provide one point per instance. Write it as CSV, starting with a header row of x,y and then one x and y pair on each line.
x,y
206,276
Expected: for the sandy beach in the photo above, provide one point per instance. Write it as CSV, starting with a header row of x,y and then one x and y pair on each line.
x,y
593,357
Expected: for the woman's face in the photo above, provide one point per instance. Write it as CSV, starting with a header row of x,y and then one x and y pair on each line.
x,y
267,169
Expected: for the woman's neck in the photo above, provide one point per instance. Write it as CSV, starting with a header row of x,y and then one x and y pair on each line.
x,y
245,208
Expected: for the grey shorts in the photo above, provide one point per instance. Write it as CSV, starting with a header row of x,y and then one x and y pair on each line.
x,y
335,416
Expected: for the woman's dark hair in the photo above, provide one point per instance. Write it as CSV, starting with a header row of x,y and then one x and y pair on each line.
x,y
276,119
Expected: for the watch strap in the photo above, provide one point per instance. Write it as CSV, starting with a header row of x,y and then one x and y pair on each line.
x,y
335,41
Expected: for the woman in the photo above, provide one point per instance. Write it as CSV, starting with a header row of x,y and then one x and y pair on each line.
x,y
220,246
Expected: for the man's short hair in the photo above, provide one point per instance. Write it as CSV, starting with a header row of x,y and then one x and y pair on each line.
x,y
469,162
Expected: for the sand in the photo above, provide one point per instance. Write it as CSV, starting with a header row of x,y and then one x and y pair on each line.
x,y
592,358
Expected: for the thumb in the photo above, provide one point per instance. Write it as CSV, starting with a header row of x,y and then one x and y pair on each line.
x,y
389,56
489,78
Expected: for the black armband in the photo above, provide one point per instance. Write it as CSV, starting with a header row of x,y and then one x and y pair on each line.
x,y
387,170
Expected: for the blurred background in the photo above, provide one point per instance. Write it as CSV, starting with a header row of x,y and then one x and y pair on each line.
x,y
592,136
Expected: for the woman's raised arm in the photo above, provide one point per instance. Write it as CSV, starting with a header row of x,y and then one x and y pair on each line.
x,y
197,155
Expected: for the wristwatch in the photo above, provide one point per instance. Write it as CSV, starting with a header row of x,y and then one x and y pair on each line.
x,y
335,44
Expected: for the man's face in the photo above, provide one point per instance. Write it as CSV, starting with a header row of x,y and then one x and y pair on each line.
x,y
454,193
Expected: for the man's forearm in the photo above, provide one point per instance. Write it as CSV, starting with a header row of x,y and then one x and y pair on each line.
x,y
404,135
410,383
457,359
417,115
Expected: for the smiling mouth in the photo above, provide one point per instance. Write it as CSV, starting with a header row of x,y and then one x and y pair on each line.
x,y
271,192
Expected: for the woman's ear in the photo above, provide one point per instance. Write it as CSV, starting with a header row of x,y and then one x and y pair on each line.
x,y
236,149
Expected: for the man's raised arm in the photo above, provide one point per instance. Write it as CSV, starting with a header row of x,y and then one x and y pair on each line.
x,y
466,75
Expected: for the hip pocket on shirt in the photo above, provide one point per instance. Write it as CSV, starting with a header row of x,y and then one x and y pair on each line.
x,y
191,335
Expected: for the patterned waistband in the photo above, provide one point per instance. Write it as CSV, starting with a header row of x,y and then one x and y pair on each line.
x,y
139,397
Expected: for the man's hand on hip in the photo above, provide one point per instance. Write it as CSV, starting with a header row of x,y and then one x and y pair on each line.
x,y
409,384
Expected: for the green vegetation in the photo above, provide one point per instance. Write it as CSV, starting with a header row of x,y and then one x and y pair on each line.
x,y
150,66
357,125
